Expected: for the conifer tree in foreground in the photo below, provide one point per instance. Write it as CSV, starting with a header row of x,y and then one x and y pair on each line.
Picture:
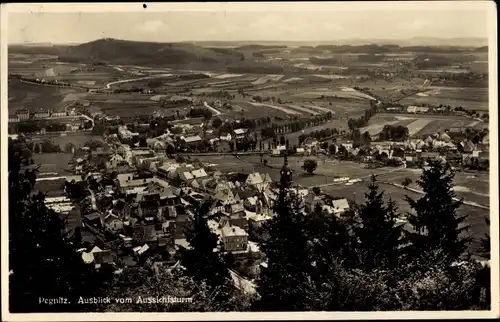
x,y
201,261
379,237
436,223
43,262
285,285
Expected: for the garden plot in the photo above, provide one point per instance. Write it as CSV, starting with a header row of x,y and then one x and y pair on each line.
x,y
303,109
319,108
356,92
86,82
293,79
264,79
330,76
157,97
417,125
276,107
226,75
74,96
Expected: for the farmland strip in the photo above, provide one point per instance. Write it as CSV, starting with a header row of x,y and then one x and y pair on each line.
x,y
417,125
300,108
280,108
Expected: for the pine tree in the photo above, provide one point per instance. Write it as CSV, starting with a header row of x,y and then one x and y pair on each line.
x,y
201,261
285,284
486,241
436,224
329,241
379,237
43,262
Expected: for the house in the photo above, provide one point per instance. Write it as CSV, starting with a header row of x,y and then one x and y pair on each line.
x,y
226,196
257,219
427,156
467,146
102,256
191,140
254,204
240,133
149,205
93,219
13,119
23,114
41,114
340,206
145,233
115,161
199,174
58,114
128,182
125,134
237,216
234,238
312,201
185,176
156,145
300,151
112,223
417,109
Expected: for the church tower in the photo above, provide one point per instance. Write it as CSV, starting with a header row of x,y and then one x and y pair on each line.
x,y
286,174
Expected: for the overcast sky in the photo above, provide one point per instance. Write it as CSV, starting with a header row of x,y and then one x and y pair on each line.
x,y
314,25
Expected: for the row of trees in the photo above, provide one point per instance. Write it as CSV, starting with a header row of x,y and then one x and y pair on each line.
x,y
319,134
394,133
354,123
200,112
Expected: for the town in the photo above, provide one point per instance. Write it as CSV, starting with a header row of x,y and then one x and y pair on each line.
x,y
249,176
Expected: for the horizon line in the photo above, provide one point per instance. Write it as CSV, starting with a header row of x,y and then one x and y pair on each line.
x,y
262,41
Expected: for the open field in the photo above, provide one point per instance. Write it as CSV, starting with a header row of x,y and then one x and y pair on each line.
x,y
267,78
305,110
56,163
34,97
376,128
420,125
343,92
77,138
276,107
251,110
468,98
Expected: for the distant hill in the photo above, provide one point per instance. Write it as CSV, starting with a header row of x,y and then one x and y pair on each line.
x,y
147,53
417,41
36,49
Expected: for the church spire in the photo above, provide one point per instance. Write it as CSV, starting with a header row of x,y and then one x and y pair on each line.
x,y
286,173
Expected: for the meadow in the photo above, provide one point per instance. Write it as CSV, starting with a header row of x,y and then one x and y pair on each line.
x,y
468,98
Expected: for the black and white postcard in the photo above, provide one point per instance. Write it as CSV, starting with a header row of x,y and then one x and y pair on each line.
x,y
241,161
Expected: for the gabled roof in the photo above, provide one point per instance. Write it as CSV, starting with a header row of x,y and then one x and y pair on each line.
x,y
254,178
93,215
191,139
186,175
200,173
240,131
230,231
340,204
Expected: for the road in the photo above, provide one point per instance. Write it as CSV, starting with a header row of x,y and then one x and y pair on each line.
x,y
108,85
211,108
